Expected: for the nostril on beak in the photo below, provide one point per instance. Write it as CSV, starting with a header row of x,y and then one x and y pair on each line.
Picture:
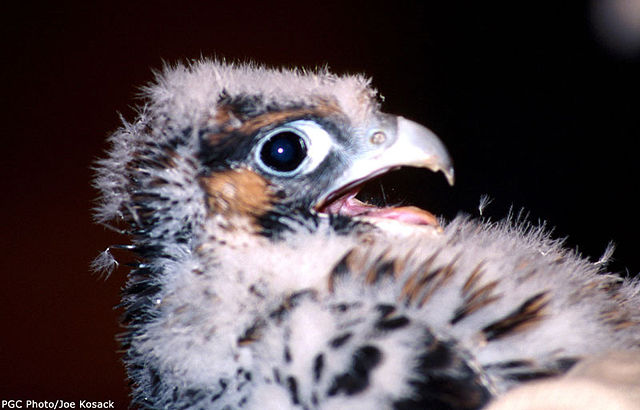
x,y
378,138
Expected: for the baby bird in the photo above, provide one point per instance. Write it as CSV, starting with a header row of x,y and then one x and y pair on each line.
x,y
261,280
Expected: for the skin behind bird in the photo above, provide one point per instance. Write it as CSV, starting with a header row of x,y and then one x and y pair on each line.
x,y
262,282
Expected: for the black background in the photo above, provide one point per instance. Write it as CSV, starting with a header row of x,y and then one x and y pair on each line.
x,y
534,110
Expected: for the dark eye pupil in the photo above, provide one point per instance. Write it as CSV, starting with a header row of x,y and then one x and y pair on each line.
x,y
284,151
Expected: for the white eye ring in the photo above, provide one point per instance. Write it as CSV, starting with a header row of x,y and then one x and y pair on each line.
x,y
314,142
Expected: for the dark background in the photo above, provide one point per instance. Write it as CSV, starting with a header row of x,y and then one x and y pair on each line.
x,y
536,111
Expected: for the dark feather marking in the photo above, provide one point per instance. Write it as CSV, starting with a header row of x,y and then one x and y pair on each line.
x,y
146,196
160,157
443,380
400,264
528,313
252,334
277,117
623,324
475,300
385,309
341,269
253,108
158,182
294,299
338,341
289,303
155,380
292,384
254,290
392,324
437,279
318,367
273,226
525,370
242,104
193,396
414,283
617,318
139,297
473,279
156,160
475,296
356,379
219,153
511,364
223,387
279,220
529,274
344,225
566,363
380,269
531,375
344,307
144,287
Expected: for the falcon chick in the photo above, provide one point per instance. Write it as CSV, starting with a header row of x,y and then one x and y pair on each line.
x,y
262,281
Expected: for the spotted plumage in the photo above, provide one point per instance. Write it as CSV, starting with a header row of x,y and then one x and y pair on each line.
x,y
260,281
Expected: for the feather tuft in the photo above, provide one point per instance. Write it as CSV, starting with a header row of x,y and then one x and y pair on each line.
x,y
485,200
105,263
607,255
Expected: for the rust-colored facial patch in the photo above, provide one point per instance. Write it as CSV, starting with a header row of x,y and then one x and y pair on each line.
x,y
237,192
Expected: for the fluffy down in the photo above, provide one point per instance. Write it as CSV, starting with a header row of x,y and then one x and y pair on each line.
x,y
242,297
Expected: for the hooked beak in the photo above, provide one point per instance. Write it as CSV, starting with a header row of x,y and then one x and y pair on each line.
x,y
401,143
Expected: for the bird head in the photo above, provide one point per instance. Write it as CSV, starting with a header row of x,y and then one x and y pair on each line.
x,y
222,150
311,160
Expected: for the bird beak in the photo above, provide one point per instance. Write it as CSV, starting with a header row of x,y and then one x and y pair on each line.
x,y
398,143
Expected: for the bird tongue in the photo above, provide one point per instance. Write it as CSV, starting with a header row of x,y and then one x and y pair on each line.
x,y
349,205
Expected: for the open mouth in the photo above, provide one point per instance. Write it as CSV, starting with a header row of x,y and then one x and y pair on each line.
x,y
367,198
408,145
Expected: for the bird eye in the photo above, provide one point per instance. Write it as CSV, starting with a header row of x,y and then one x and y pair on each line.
x,y
283,151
